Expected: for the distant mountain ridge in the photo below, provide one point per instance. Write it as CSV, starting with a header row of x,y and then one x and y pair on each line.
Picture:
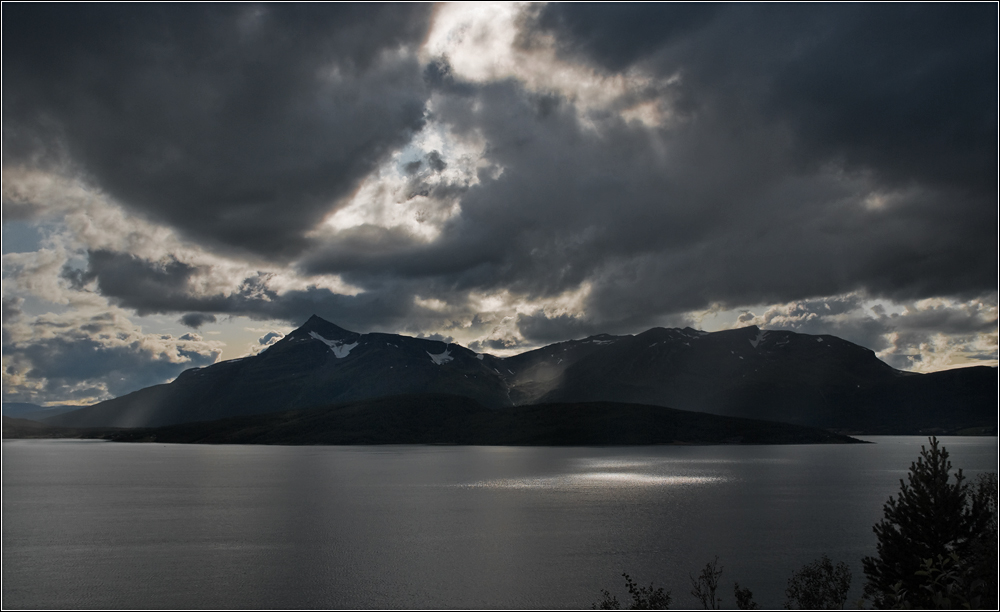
x,y
819,381
34,412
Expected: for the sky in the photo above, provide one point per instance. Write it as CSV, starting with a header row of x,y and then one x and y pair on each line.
x,y
184,184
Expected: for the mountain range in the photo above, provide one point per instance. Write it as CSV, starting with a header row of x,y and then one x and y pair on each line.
x,y
34,412
818,381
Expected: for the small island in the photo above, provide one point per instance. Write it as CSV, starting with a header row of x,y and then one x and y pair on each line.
x,y
449,419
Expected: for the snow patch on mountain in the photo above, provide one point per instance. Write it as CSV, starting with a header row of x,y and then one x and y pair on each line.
x,y
760,336
444,357
339,348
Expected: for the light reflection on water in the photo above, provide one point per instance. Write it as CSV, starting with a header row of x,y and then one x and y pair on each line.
x,y
590,479
660,463
633,478
588,472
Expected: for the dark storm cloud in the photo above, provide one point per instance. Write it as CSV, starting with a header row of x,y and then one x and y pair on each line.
x,y
542,329
615,35
147,287
722,213
813,151
195,320
150,287
238,124
907,91
533,230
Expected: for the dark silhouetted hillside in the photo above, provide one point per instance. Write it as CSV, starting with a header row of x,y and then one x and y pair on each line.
x,y
817,381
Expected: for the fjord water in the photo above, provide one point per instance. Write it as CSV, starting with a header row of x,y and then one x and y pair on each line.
x,y
91,524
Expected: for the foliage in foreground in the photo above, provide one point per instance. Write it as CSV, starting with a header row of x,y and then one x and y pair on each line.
x,y
819,586
744,598
707,583
937,549
643,598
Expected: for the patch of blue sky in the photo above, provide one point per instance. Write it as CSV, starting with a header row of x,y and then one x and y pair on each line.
x,y
22,236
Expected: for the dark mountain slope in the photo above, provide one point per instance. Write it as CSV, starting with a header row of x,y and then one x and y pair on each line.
x,y
949,401
316,364
533,374
775,375
819,381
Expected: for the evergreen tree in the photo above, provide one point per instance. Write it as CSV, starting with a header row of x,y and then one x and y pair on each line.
x,y
932,518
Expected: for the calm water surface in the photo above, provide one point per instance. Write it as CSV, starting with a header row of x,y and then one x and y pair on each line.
x,y
97,524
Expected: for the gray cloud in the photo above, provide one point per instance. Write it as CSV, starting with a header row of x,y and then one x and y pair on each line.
x,y
269,338
823,316
904,338
11,307
538,327
436,162
85,358
437,337
493,344
195,320
614,36
149,287
240,125
725,215
906,91
62,364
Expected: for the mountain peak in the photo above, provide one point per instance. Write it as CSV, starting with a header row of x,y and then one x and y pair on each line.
x,y
323,327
